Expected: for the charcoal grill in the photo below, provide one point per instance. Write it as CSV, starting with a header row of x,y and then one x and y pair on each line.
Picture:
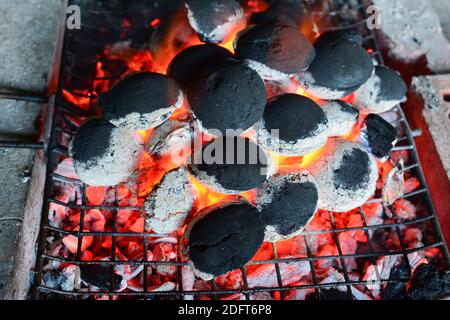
x,y
72,55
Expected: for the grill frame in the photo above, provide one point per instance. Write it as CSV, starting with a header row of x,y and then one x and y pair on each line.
x,y
63,107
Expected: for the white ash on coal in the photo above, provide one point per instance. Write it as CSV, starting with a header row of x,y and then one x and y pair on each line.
x,y
287,204
141,101
339,68
275,51
232,97
223,239
341,116
383,91
230,164
187,65
169,204
378,136
215,21
292,125
346,175
103,154
65,279
393,183
171,138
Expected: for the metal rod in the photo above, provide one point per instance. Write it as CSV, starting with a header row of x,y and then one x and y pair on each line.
x,y
21,145
22,95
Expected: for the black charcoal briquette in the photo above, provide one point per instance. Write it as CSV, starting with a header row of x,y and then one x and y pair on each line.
x,y
187,65
346,175
378,136
300,123
224,239
141,101
287,204
230,164
382,92
103,154
275,51
340,67
215,21
230,98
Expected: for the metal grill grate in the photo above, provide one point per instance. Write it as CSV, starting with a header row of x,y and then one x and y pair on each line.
x,y
63,130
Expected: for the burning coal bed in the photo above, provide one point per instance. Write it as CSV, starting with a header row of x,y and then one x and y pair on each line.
x,y
207,161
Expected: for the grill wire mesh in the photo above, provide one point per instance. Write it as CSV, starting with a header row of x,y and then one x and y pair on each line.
x,y
355,17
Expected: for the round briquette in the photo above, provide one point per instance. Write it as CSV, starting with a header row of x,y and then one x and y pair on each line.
x,y
275,51
215,21
187,65
103,154
339,68
230,164
346,175
292,125
230,98
141,101
223,239
382,92
287,204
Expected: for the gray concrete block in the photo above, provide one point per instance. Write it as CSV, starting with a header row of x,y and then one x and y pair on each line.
x,y
442,8
9,232
413,30
28,31
27,38
15,166
19,118
436,112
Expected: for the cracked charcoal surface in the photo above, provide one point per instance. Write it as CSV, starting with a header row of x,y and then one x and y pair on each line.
x,y
383,91
429,282
301,124
214,20
329,294
141,101
340,66
379,135
341,117
225,239
287,204
170,202
100,277
103,154
273,45
232,97
187,64
247,169
346,175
